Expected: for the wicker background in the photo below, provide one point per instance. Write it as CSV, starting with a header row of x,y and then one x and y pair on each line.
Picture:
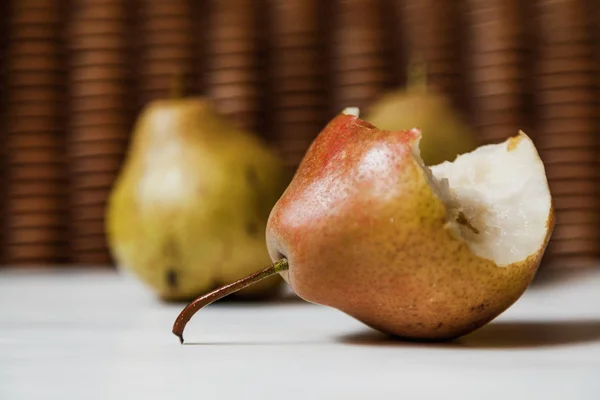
x,y
74,75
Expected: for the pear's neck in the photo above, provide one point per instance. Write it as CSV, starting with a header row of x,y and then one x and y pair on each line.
x,y
417,77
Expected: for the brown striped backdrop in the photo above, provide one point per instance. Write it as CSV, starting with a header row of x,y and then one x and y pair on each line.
x,y
75,73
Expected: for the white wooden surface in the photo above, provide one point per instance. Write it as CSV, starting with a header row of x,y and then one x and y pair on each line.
x,y
101,335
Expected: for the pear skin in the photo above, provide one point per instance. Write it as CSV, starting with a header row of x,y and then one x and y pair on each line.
x,y
189,209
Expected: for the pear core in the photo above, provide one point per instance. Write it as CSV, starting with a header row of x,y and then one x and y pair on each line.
x,y
497,199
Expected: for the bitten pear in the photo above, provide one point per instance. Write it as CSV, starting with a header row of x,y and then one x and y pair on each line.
x,y
416,252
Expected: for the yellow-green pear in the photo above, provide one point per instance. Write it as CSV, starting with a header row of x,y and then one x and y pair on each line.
x,y
189,209
445,133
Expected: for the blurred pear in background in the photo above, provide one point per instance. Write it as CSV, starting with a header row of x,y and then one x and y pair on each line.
x,y
189,209
445,133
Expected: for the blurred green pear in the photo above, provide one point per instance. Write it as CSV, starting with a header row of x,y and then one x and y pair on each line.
x,y
445,133
188,212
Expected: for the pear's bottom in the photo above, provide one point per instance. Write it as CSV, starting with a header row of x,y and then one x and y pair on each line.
x,y
432,337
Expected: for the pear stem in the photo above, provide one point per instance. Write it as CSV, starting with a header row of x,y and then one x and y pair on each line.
x,y
177,89
417,75
208,298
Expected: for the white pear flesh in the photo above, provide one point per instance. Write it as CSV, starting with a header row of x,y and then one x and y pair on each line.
x,y
499,195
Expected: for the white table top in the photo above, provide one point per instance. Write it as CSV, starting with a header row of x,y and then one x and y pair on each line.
x,y
101,335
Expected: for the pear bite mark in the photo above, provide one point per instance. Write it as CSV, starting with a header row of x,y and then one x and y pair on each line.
x,y
501,213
